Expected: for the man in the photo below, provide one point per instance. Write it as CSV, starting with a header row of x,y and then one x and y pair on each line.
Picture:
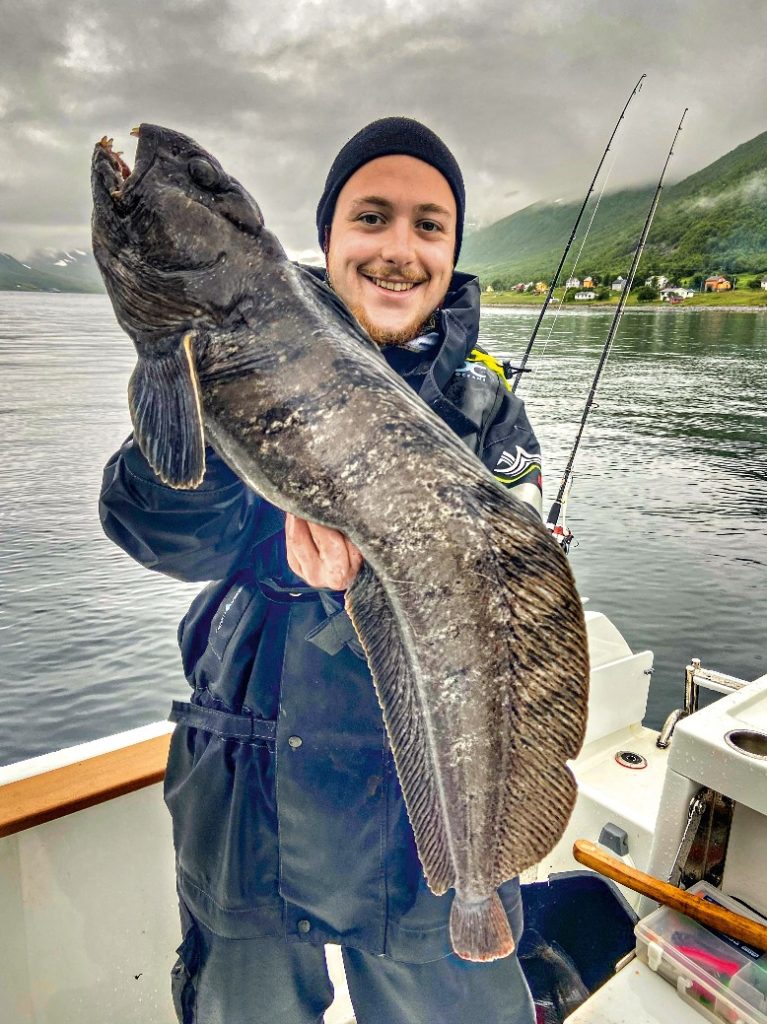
x,y
289,824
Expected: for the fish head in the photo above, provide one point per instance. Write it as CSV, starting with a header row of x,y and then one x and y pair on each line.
x,y
178,240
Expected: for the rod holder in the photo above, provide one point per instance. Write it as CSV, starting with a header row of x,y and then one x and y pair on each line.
x,y
695,677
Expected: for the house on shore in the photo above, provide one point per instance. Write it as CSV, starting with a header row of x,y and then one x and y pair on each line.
x,y
541,287
588,282
764,282
716,283
573,282
585,296
657,281
619,283
670,294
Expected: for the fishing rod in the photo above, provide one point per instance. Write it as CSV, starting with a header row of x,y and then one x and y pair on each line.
x,y
519,370
556,509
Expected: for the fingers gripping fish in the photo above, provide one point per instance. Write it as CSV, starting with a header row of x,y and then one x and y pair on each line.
x,y
466,609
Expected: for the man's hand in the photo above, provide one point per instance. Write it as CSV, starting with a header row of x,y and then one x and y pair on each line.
x,y
320,556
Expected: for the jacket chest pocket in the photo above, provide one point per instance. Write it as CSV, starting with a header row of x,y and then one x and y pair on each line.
x,y
226,643
228,618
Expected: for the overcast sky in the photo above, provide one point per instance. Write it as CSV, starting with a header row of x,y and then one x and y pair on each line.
x,y
525,93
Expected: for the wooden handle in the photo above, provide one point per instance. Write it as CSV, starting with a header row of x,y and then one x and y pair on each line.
x,y
723,920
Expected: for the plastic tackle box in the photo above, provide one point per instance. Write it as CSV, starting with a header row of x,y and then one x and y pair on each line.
x,y
723,978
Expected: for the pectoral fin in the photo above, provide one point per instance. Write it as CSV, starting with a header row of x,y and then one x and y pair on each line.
x,y
165,406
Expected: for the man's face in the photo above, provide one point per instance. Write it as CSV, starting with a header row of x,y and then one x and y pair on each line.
x,y
392,243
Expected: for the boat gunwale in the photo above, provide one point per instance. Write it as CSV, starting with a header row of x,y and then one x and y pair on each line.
x,y
56,792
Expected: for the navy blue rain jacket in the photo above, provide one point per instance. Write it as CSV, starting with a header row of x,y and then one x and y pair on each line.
x,y
288,816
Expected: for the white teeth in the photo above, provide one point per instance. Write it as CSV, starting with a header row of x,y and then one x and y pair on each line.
x,y
393,286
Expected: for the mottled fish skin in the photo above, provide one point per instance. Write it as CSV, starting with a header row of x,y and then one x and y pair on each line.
x,y
466,608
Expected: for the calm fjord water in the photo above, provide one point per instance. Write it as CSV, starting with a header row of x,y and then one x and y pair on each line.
x,y
669,505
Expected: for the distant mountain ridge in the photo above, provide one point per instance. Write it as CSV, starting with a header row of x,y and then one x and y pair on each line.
x,y
51,270
713,220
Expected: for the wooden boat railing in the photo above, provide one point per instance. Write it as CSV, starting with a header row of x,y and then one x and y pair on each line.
x,y
73,787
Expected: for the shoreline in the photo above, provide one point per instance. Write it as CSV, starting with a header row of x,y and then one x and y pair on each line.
x,y
581,307
603,307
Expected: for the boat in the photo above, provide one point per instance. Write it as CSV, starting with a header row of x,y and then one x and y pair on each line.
x,y
90,919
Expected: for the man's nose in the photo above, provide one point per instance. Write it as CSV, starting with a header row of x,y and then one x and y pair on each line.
x,y
398,242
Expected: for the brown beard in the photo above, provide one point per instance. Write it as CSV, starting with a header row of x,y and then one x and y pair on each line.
x,y
387,337
381,336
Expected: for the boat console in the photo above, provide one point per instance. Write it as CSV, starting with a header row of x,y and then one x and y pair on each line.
x,y
711,824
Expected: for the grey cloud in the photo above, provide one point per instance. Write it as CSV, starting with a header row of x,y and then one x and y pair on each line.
x,y
751,189
526,98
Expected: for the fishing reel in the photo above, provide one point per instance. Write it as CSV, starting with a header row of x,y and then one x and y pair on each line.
x,y
560,532
563,536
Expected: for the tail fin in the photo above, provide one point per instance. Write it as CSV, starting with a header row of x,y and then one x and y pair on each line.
x,y
480,931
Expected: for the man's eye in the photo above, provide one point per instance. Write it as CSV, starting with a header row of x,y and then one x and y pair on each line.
x,y
430,226
371,218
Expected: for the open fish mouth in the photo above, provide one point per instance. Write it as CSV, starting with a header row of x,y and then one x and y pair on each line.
x,y
115,158
123,179
114,186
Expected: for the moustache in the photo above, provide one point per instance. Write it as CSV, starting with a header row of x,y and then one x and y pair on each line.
x,y
408,276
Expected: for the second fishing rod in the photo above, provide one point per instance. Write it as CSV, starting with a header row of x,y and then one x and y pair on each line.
x,y
519,370
552,522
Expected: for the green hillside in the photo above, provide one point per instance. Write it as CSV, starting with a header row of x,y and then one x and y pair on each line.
x,y
714,220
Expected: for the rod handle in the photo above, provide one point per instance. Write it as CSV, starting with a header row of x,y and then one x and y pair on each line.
x,y
554,514
720,918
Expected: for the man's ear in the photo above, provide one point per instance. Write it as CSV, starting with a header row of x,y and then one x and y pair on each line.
x,y
326,243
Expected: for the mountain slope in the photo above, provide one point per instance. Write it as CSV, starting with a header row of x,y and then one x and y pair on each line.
x,y
51,271
716,219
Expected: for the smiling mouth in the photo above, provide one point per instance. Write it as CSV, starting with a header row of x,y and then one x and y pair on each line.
x,y
392,286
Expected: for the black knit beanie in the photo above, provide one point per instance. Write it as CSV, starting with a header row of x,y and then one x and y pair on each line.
x,y
389,136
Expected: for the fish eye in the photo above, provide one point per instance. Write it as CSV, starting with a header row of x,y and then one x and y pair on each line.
x,y
203,173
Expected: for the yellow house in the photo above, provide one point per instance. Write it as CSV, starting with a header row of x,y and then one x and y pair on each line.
x,y
717,284
588,283
541,287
